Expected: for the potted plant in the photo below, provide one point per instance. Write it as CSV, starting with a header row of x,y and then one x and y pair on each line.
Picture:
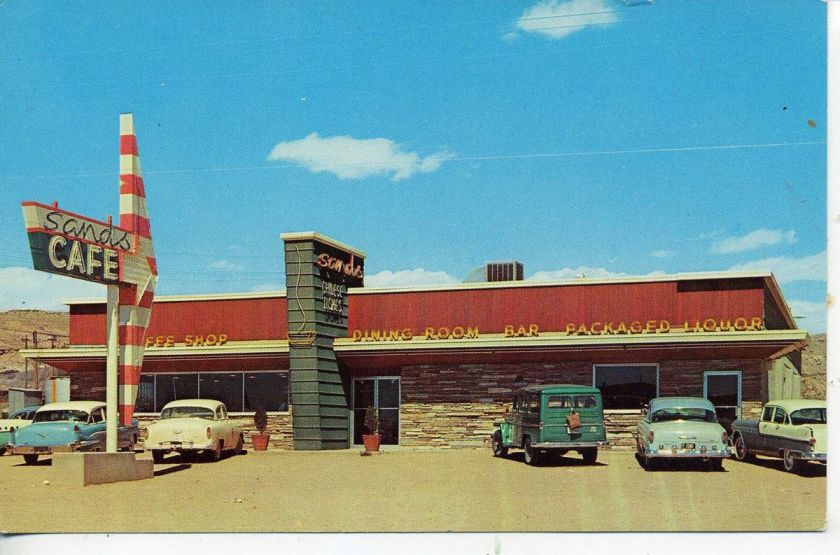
x,y
260,439
372,438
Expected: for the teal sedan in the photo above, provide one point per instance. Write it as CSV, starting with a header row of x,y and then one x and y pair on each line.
x,y
66,427
681,428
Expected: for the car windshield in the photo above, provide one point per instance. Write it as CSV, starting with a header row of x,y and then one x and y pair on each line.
x,y
808,416
677,413
186,412
61,416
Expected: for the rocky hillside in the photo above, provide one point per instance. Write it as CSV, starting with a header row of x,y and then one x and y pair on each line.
x,y
814,368
51,329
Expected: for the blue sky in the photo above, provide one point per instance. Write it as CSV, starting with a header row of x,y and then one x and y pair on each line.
x,y
580,137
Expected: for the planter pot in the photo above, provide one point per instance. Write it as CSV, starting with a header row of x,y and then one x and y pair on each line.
x,y
260,441
371,442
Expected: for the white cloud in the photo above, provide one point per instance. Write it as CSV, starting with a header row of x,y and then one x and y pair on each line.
x,y
225,265
409,278
789,269
350,158
754,240
582,272
555,19
661,254
809,316
22,288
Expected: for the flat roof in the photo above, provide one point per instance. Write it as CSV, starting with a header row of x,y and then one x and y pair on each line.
x,y
766,275
313,236
195,297
653,278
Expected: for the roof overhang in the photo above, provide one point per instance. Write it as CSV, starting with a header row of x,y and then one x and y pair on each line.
x,y
550,347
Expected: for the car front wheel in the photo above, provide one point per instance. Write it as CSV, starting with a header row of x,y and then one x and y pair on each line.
x,y
216,453
532,456
790,461
240,445
157,456
590,455
30,459
742,453
499,450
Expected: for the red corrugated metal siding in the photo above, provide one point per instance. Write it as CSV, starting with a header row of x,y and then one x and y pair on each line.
x,y
552,308
239,319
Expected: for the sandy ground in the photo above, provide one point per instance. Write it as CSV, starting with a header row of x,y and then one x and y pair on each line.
x,y
458,490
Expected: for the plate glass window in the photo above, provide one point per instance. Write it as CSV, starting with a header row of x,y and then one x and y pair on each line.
x,y
723,389
239,391
626,386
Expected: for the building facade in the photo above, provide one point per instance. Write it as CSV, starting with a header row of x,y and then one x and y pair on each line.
x,y
441,363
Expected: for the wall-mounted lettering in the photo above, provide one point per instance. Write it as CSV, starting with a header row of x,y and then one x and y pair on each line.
x,y
350,268
208,340
531,330
664,326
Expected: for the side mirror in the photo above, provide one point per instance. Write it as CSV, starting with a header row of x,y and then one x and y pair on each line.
x,y
644,410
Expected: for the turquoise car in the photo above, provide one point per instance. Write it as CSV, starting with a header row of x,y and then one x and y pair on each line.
x,y
66,427
551,420
681,428
17,419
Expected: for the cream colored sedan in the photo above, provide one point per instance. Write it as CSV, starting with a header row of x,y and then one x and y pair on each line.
x,y
189,426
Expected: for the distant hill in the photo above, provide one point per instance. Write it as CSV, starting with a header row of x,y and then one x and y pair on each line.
x,y
51,330
814,368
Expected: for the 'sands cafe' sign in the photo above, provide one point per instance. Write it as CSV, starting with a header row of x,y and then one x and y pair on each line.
x,y
69,244
572,328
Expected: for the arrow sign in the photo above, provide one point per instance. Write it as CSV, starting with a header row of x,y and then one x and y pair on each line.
x,y
121,257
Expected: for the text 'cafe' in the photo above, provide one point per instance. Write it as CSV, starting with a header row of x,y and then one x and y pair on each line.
x,y
441,363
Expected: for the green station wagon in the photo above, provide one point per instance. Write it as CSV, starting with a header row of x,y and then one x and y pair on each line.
x,y
553,420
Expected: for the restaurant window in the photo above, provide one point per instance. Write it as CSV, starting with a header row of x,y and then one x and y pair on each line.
x,y
222,386
239,391
626,386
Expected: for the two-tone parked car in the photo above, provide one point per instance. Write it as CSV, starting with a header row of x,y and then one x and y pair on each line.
x,y
681,428
551,420
793,429
190,426
68,426
16,420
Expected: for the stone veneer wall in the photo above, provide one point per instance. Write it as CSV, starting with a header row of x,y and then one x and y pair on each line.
x,y
279,426
456,406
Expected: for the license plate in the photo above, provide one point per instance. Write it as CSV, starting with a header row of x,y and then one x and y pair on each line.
x,y
688,446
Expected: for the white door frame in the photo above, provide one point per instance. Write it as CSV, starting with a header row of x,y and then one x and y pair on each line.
x,y
375,401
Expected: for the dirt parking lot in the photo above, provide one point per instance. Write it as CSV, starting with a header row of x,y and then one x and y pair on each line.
x,y
452,490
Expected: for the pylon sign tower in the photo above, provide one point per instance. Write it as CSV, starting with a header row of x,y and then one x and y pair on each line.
x,y
121,257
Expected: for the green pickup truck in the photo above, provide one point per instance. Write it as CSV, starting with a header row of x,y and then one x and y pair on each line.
x,y
553,420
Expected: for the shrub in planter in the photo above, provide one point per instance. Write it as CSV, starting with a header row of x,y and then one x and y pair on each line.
x,y
372,438
260,439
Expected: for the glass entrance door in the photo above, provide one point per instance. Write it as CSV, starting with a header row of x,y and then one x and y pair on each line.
x,y
382,393
723,389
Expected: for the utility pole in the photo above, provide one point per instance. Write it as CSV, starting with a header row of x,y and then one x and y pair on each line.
x,y
25,364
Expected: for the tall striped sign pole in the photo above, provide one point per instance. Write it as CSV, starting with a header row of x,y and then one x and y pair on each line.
x,y
121,257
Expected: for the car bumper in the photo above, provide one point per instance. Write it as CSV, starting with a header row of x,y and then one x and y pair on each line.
x,y
49,449
687,454
817,457
569,444
178,446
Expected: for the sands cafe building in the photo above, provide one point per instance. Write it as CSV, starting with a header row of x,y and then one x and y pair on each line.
x,y
441,363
